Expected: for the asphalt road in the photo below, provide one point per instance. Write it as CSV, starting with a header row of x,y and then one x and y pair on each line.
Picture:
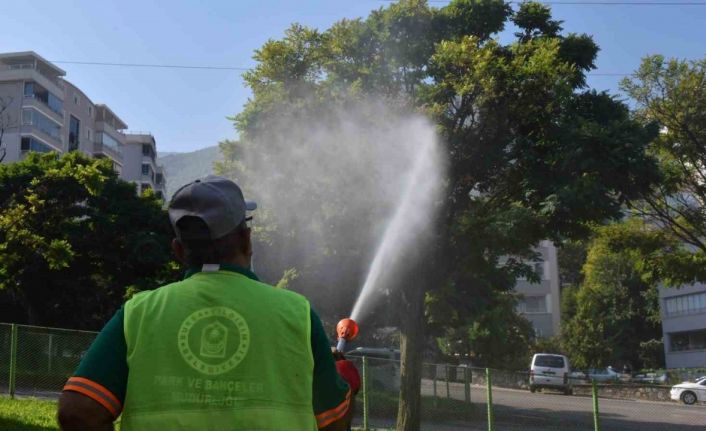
x,y
518,409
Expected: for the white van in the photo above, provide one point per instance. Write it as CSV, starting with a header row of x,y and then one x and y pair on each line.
x,y
383,365
550,371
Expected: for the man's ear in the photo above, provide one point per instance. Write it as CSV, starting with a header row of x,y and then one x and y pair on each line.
x,y
179,252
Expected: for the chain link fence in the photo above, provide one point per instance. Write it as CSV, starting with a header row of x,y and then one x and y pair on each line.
x,y
36,361
468,398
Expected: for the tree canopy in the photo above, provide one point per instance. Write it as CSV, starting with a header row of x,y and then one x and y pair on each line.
x,y
532,153
671,95
74,238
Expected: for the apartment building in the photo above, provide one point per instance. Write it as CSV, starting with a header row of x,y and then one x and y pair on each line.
x,y
539,302
684,325
45,112
140,155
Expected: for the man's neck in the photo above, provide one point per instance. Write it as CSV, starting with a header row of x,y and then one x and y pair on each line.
x,y
239,260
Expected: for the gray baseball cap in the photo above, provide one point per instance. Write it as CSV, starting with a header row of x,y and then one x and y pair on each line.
x,y
217,201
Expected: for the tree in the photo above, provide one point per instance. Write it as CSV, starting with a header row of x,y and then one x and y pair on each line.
x,y
532,154
671,95
6,123
74,237
615,316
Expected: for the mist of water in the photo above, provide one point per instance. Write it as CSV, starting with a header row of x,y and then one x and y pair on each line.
x,y
409,224
341,189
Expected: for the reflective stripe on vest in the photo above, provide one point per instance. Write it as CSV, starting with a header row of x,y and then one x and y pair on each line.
x,y
218,351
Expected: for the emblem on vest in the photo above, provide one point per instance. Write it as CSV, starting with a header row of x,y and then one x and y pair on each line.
x,y
214,340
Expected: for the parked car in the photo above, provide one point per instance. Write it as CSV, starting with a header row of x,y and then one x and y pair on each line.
x,y
383,365
550,371
690,392
653,378
603,375
577,376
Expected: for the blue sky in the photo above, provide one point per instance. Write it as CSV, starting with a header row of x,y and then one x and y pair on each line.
x,y
187,109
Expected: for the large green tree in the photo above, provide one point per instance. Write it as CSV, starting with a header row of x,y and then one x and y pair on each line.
x,y
613,317
671,94
532,154
73,238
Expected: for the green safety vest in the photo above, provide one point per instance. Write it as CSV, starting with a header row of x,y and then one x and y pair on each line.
x,y
218,351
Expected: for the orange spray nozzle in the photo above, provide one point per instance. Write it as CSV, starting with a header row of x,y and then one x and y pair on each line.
x,y
346,330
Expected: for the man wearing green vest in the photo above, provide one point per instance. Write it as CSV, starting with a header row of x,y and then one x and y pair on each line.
x,y
218,350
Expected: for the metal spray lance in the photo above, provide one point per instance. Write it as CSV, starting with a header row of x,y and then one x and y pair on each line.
x,y
346,330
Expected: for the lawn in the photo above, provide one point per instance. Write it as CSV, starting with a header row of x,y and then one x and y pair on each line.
x,y
28,414
31,414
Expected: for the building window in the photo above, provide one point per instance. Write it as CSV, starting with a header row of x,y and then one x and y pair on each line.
x,y
109,142
692,303
144,187
148,151
687,341
32,117
74,133
90,111
75,100
159,179
146,169
28,143
532,304
539,269
37,92
88,134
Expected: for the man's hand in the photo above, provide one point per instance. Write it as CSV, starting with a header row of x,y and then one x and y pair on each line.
x,y
80,413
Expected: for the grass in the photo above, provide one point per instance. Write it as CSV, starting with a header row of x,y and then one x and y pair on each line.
x,y
28,414
31,414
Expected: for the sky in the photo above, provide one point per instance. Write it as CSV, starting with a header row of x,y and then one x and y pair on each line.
x,y
188,109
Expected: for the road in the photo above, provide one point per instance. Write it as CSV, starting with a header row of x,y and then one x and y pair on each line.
x,y
518,409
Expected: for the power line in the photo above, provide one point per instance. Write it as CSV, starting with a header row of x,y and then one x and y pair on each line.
x,y
161,66
594,3
177,66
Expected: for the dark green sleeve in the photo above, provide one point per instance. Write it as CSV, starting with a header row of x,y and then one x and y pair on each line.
x,y
330,390
105,362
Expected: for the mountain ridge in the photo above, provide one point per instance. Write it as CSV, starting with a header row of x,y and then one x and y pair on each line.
x,y
182,168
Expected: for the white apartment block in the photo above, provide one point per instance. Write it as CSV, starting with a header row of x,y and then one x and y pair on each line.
x,y
683,313
539,302
45,112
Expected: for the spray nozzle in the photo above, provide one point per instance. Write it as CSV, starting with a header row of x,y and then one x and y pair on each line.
x,y
347,330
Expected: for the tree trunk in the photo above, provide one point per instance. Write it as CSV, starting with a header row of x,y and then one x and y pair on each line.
x,y
412,354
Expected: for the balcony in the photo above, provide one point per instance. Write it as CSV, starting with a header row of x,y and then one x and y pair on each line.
x,y
44,108
29,130
30,72
103,150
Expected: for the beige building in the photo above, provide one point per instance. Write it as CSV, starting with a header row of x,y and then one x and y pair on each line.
x,y
45,112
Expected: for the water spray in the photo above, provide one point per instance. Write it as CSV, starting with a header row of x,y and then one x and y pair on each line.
x,y
347,330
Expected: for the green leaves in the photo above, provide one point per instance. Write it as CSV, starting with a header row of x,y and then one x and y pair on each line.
x,y
616,309
531,157
73,237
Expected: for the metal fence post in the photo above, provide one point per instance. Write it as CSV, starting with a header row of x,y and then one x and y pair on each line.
x,y
596,414
448,392
489,384
365,393
434,381
13,360
467,384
